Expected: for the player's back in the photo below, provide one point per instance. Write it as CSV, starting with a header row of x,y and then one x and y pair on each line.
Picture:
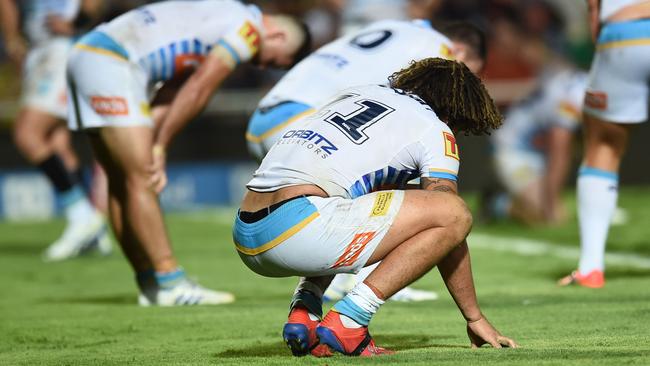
x,y
165,36
367,138
368,56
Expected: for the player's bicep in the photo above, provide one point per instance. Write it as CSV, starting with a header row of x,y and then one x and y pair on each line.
x,y
439,185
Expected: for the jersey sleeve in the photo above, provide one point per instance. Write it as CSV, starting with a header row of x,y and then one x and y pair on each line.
x,y
439,156
242,42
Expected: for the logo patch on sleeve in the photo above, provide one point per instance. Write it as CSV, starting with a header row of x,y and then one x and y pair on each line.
x,y
445,52
382,204
354,249
596,100
250,36
451,149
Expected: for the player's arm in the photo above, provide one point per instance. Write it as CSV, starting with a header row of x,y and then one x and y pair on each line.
x,y
187,103
15,45
456,272
557,169
594,18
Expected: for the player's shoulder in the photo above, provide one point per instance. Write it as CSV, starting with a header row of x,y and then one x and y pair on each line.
x,y
407,106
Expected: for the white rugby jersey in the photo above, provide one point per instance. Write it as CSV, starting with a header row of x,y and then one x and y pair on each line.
x,y
610,7
168,37
556,102
367,138
37,11
368,56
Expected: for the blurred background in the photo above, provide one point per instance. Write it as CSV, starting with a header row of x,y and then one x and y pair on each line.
x,y
209,163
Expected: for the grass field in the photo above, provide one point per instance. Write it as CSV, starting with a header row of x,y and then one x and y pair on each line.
x,y
83,312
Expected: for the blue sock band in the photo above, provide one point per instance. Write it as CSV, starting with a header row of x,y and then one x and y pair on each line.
x,y
170,279
595,172
348,308
72,195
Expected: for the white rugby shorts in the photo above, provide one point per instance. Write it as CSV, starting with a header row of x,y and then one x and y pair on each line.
x,y
620,72
43,85
106,90
518,169
315,236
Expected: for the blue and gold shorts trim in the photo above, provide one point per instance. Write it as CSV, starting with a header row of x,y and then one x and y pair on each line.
x,y
624,34
272,230
99,42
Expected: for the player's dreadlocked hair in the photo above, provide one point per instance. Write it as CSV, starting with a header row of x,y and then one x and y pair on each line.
x,y
456,95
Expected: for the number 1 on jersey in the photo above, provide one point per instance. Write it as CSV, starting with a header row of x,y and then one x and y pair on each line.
x,y
353,124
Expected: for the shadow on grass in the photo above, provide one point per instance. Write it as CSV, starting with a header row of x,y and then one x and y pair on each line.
x,y
118,299
397,342
22,249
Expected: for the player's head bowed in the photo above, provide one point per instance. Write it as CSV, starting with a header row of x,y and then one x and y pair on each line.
x,y
456,95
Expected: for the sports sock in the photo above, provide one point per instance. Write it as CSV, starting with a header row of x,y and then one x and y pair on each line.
x,y
309,295
145,279
76,205
597,195
58,174
365,272
359,305
171,279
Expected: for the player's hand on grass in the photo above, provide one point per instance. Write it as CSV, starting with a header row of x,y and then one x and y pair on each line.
x,y
481,332
158,176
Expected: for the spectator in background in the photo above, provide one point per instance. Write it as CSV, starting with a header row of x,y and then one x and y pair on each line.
x,y
39,130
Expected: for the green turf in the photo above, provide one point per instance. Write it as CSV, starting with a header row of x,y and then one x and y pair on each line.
x,y
83,312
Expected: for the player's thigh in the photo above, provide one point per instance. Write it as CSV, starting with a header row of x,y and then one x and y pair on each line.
x,y
422,210
125,154
34,126
605,143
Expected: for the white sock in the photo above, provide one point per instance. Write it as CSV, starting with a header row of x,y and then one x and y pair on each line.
x,y
78,208
365,272
597,195
360,305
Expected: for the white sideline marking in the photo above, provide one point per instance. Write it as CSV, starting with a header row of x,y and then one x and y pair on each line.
x,y
530,247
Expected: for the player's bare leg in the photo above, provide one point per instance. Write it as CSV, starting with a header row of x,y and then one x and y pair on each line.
x,y
136,216
44,141
605,145
418,239
125,153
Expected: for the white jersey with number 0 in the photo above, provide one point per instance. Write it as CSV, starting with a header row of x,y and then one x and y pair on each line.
x,y
366,139
368,56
